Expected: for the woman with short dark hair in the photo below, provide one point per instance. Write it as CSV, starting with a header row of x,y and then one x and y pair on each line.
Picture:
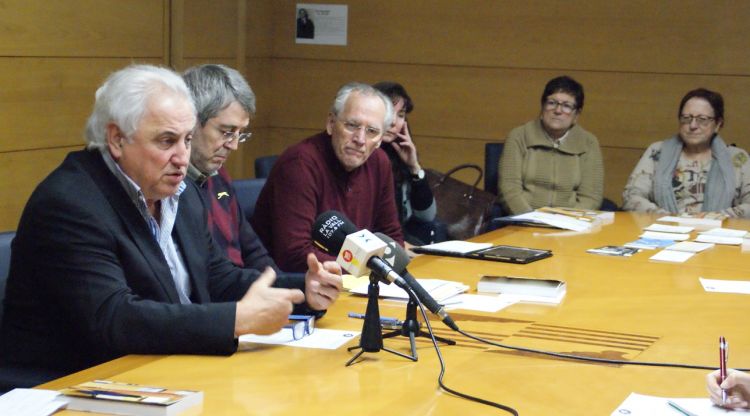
x,y
551,161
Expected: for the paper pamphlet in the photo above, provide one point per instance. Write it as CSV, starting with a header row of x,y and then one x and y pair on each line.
x,y
649,243
699,223
725,232
680,229
642,405
458,246
327,339
672,256
524,289
725,286
31,402
555,220
614,251
665,236
716,239
690,246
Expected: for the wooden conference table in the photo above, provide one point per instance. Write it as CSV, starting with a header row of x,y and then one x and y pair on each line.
x,y
616,307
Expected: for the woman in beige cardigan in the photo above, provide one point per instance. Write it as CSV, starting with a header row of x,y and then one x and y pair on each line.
x,y
551,161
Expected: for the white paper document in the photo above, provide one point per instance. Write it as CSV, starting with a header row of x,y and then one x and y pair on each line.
x,y
643,405
483,303
556,220
30,402
698,223
663,228
458,246
725,286
327,339
717,239
672,256
665,236
690,246
725,232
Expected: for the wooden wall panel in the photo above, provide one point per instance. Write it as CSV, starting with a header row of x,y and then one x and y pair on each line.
x,y
674,36
53,56
210,29
486,103
82,28
23,172
259,28
46,101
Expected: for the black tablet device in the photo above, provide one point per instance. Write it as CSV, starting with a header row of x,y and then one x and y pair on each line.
x,y
508,254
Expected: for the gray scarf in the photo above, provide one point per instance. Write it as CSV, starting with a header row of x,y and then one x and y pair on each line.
x,y
719,185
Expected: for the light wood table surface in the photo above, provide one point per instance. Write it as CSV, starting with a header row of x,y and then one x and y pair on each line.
x,y
616,307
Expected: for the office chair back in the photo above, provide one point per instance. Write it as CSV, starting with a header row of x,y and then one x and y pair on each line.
x,y
263,165
492,153
5,239
248,191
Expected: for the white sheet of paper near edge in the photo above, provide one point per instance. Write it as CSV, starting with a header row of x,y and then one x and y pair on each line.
x,y
725,286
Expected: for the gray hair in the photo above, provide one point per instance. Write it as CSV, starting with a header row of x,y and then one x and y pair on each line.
x,y
364,89
123,97
215,87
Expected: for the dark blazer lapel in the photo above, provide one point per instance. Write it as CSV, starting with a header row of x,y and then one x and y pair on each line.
x,y
188,238
133,223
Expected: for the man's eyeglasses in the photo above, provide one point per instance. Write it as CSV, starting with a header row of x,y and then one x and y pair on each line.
x,y
702,121
301,325
565,107
230,135
354,127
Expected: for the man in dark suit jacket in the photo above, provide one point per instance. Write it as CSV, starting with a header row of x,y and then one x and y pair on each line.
x,y
113,256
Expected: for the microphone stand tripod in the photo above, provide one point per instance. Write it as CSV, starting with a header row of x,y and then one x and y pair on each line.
x,y
372,336
412,329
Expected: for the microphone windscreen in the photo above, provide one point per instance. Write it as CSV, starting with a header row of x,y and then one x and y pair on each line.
x,y
395,255
330,230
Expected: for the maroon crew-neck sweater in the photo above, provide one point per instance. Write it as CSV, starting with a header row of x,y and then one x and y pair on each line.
x,y
307,180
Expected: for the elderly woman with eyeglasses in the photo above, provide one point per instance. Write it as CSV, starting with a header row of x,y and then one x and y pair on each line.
x,y
694,171
552,161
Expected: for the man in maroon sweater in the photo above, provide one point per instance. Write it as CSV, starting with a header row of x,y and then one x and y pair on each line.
x,y
339,169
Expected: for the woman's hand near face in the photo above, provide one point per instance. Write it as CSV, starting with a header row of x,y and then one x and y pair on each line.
x,y
407,151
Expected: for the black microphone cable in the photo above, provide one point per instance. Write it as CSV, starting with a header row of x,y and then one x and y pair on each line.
x,y
442,385
590,359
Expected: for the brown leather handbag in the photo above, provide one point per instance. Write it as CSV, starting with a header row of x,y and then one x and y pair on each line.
x,y
463,208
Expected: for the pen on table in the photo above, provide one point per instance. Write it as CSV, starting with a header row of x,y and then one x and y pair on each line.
x,y
723,351
680,408
109,393
383,319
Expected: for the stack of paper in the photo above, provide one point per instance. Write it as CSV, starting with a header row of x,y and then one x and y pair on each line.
x,y
680,229
701,221
680,252
584,214
665,236
649,243
690,246
564,222
524,289
722,236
